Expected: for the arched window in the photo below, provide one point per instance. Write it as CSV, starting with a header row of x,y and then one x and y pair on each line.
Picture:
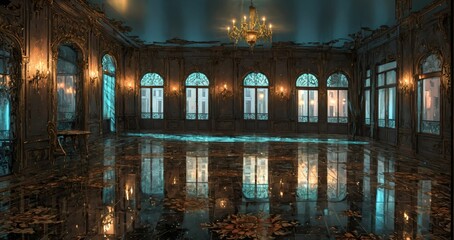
x,y
197,96
152,95
386,87
429,95
5,114
68,83
256,96
108,77
337,86
307,85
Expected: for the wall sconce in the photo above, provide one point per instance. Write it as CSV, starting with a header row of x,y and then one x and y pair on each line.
x,y
174,92
406,86
40,74
93,77
225,92
281,93
130,87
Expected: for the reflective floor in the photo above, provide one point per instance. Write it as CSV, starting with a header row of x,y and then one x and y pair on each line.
x,y
208,187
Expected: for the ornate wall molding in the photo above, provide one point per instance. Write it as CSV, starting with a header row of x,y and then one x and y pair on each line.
x,y
67,30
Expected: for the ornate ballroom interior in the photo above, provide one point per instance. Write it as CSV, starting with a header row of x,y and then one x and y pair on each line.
x,y
241,119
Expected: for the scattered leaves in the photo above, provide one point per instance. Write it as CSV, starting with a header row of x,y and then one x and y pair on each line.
x,y
248,226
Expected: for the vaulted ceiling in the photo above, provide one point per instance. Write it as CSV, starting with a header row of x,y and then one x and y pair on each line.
x,y
305,22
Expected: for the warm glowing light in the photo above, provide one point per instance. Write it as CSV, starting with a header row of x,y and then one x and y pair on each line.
x,y
281,193
250,30
261,96
312,102
174,181
225,86
406,217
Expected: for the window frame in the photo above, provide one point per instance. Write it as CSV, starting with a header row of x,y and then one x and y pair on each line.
x,y
386,87
307,88
202,84
368,91
345,120
257,83
420,80
156,82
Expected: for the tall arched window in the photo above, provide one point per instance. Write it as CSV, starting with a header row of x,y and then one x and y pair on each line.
x,y
68,83
386,87
5,114
197,96
256,96
307,85
152,95
337,85
108,77
429,95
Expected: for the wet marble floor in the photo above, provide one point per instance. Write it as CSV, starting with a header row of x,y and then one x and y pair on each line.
x,y
154,186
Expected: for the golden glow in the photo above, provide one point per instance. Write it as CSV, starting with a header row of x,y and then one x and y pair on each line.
x,y
93,76
250,31
119,5
406,217
108,221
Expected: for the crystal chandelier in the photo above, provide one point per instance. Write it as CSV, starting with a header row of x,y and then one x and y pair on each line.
x,y
251,31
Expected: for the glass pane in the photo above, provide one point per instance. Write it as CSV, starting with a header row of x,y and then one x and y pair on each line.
x,y
431,106
381,107
145,101
419,104
391,77
302,106
431,64
381,80
332,106
387,66
158,103
4,116
337,80
391,107
108,64
343,103
109,100
249,103
191,103
262,103
197,79
255,79
367,106
431,99
307,80
152,79
66,101
202,103
313,105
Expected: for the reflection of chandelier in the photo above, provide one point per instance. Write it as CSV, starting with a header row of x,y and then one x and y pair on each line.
x,y
251,31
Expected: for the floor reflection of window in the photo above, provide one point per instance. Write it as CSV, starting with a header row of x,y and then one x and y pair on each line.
x,y
337,173
152,179
366,210
384,208
108,191
423,210
197,174
307,173
255,176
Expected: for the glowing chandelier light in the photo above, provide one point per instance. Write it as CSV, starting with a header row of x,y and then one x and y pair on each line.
x,y
251,31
